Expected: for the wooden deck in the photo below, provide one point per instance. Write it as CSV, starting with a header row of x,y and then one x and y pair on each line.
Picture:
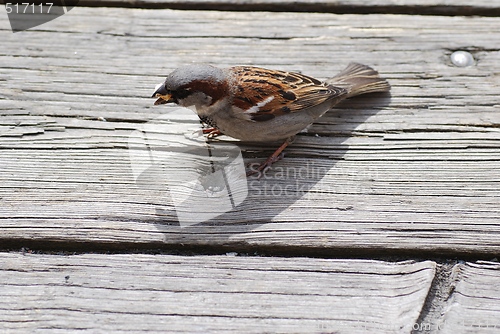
x,y
382,218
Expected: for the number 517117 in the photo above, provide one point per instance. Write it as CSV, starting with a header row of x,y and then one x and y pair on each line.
x,y
29,8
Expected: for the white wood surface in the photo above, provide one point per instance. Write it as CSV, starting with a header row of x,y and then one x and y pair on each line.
x,y
412,7
416,174
208,294
474,304
418,171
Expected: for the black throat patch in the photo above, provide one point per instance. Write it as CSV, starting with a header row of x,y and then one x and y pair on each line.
x,y
208,121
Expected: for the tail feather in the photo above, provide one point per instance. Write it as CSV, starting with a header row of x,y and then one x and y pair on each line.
x,y
359,79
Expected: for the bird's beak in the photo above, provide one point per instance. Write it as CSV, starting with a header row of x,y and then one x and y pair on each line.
x,y
162,94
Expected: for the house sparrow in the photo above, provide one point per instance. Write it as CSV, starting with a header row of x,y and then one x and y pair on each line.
x,y
261,105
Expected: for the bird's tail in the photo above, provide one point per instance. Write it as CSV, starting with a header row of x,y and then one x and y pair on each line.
x,y
359,79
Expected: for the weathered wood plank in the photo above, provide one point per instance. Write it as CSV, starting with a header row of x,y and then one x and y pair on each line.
x,y
94,198
417,171
474,304
413,7
426,3
223,294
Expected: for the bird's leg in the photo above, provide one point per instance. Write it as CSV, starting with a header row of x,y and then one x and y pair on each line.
x,y
272,159
211,132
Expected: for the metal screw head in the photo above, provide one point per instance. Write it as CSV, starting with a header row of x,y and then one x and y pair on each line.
x,y
462,59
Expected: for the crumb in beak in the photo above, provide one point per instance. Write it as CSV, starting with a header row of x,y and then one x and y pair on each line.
x,y
162,99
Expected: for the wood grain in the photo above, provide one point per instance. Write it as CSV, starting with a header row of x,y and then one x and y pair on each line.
x,y
474,304
415,172
411,7
223,294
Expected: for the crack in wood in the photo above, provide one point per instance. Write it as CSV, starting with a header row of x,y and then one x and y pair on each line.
x,y
434,307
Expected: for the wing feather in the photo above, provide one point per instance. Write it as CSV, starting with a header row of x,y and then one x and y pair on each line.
x,y
264,94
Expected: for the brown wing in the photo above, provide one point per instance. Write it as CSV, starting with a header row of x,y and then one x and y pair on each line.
x,y
264,94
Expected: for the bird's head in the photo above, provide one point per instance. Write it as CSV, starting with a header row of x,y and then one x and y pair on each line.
x,y
193,85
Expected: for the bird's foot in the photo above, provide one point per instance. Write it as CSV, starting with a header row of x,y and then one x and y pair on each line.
x,y
212,132
276,156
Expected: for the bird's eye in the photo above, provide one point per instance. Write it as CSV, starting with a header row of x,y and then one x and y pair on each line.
x,y
182,93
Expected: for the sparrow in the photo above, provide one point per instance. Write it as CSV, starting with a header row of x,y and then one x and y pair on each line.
x,y
255,104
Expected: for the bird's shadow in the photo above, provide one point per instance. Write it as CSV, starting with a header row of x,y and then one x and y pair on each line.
x,y
287,181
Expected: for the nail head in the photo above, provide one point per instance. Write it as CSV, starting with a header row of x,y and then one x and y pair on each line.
x,y
462,59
